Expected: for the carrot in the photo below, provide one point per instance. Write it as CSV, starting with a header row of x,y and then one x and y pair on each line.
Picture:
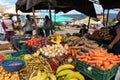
x,y
99,58
110,66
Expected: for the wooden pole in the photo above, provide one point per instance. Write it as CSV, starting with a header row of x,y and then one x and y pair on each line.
x,y
33,11
89,22
107,17
104,17
50,17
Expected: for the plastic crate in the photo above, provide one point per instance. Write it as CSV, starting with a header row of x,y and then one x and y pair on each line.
x,y
95,73
16,41
16,54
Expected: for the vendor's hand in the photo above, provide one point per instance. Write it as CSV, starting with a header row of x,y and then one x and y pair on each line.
x,y
110,46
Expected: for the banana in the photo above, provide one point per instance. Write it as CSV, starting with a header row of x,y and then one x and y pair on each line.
x,y
52,76
44,76
73,79
74,75
33,78
38,75
65,66
64,73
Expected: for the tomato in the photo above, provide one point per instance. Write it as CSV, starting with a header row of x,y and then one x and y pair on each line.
x,y
1,58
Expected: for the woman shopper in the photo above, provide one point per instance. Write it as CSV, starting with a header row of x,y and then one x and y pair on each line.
x,y
115,44
8,26
47,26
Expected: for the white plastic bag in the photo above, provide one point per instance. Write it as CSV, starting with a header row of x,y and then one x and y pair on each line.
x,y
117,77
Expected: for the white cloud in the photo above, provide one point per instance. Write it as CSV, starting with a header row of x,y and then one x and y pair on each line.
x,y
7,3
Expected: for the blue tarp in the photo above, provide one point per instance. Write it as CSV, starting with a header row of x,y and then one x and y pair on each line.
x,y
58,18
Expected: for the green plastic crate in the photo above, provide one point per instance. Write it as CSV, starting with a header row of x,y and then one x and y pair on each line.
x,y
95,73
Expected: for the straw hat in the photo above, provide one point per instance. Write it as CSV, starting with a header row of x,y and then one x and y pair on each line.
x,y
6,16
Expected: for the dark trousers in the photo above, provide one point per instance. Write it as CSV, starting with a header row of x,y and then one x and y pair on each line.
x,y
47,32
40,32
9,34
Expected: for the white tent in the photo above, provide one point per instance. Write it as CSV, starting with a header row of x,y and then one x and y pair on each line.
x,y
85,21
11,10
72,12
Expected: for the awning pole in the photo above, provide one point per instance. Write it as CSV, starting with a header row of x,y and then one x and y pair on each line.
x,y
89,22
103,17
54,17
51,28
107,17
33,11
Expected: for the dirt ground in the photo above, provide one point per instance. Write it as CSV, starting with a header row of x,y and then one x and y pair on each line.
x,y
71,30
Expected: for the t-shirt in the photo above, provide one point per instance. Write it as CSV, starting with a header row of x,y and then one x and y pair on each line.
x,y
28,26
47,24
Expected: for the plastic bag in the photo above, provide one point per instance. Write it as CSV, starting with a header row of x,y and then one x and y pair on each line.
x,y
117,77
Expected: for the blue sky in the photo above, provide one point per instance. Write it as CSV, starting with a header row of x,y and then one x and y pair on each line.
x,y
11,3
7,3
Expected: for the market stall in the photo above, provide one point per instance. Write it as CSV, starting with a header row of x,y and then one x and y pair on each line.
x,y
59,57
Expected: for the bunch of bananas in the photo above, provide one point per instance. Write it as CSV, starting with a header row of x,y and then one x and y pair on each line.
x,y
42,76
57,39
65,72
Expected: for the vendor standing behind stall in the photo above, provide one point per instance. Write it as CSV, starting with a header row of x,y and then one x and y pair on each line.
x,y
8,26
115,44
47,25
28,25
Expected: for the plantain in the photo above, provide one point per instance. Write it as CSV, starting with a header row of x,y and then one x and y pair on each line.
x,y
33,78
44,76
74,75
64,73
38,75
65,66
52,76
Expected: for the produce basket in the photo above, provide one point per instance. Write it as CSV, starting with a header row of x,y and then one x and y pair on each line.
x,y
95,73
12,65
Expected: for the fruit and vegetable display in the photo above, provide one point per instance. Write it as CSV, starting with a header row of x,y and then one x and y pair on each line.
x,y
34,63
56,38
67,72
41,75
82,45
55,62
4,75
54,50
38,42
102,34
100,58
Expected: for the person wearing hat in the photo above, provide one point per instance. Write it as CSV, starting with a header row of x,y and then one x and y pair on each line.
x,y
8,26
2,32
